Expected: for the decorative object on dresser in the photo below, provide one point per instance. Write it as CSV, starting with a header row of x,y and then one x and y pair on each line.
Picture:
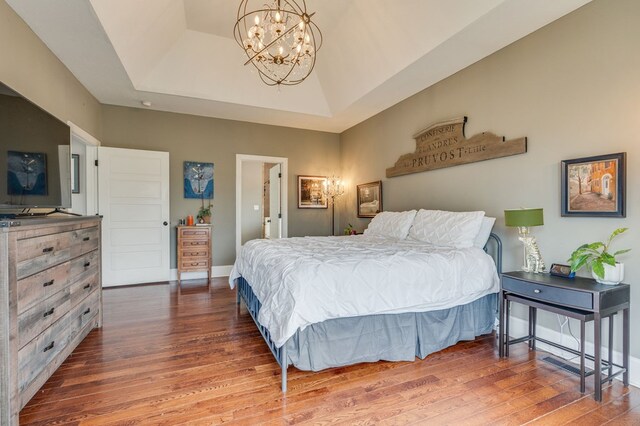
x,y
582,299
369,198
333,188
604,267
194,249
50,299
523,219
311,192
594,186
444,145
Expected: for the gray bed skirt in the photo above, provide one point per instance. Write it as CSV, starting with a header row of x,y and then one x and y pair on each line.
x,y
392,337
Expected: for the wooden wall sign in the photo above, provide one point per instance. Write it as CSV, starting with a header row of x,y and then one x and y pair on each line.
x,y
444,145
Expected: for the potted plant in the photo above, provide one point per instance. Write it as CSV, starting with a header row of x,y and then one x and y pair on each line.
x,y
204,214
349,230
604,267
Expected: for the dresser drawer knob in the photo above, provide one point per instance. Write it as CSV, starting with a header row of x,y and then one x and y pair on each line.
x,y
537,291
87,311
47,249
49,312
87,264
86,239
86,287
49,346
48,283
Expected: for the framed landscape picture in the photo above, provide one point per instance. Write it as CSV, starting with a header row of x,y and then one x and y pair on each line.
x,y
369,199
311,192
594,186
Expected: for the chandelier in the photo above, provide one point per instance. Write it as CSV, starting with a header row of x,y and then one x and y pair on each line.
x,y
279,39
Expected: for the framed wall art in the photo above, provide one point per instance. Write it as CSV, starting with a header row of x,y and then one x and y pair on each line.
x,y
594,186
198,180
311,192
75,173
369,199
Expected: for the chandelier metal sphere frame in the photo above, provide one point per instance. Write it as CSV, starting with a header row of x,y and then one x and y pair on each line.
x,y
280,39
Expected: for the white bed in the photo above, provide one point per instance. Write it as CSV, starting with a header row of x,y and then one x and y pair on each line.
x,y
303,281
422,279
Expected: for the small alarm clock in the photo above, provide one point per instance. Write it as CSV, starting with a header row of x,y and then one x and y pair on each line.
x,y
561,271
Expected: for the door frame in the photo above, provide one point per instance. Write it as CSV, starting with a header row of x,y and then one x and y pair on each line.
x,y
283,161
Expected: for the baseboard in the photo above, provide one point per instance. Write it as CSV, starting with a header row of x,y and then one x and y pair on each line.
x,y
216,271
519,327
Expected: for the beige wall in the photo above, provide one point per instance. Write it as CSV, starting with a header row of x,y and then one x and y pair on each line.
x,y
252,187
29,67
192,138
573,88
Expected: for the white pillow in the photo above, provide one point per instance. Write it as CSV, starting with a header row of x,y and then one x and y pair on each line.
x,y
485,231
391,224
446,229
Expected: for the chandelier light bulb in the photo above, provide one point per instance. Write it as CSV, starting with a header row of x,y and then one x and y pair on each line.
x,y
278,17
256,20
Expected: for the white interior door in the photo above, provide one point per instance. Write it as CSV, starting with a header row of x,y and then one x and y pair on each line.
x,y
133,188
275,213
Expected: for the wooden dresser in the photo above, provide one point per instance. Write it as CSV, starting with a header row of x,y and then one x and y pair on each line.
x,y
50,299
194,249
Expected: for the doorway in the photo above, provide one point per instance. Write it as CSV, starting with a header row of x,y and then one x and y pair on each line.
x,y
84,147
261,198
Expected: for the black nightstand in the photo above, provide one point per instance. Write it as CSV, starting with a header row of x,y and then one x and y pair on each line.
x,y
580,298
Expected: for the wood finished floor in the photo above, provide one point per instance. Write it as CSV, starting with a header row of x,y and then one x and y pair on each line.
x,y
167,357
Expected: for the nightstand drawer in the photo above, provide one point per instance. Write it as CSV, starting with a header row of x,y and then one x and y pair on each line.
x,y
556,295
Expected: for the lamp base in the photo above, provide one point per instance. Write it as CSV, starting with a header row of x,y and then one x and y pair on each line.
x,y
532,258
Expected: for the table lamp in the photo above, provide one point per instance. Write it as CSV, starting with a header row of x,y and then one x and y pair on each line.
x,y
523,219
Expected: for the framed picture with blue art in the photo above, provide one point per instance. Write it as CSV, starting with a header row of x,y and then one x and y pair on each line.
x,y
198,180
26,173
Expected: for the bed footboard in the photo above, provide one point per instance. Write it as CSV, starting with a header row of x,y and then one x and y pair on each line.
x,y
245,293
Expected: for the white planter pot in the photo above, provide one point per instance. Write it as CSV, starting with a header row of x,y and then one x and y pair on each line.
x,y
612,274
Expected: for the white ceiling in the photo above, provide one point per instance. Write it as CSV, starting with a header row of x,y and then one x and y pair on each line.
x,y
181,56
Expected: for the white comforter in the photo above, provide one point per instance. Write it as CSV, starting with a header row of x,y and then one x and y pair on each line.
x,y
302,281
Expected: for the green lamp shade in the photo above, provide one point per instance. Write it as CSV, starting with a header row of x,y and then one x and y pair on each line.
x,y
523,217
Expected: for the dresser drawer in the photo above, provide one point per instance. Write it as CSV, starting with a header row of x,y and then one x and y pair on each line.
x,y
37,354
35,320
195,233
197,244
36,254
83,287
84,265
36,288
195,252
551,294
84,240
199,264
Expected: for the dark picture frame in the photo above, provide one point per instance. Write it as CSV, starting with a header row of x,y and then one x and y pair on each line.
x,y
311,192
594,186
75,173
369,198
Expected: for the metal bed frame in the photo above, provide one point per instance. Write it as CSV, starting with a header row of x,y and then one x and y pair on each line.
x,y
246,294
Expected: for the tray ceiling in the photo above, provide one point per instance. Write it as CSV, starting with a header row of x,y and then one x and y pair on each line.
x,y
181,56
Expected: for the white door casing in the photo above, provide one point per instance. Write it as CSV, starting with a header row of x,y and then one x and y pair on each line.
x,y
240,158
275,177
134,201
88,171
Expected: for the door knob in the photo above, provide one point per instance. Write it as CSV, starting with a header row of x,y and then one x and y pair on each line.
x,y
165,223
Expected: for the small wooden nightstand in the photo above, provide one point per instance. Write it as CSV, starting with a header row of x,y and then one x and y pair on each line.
x,y
580,298
194,249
